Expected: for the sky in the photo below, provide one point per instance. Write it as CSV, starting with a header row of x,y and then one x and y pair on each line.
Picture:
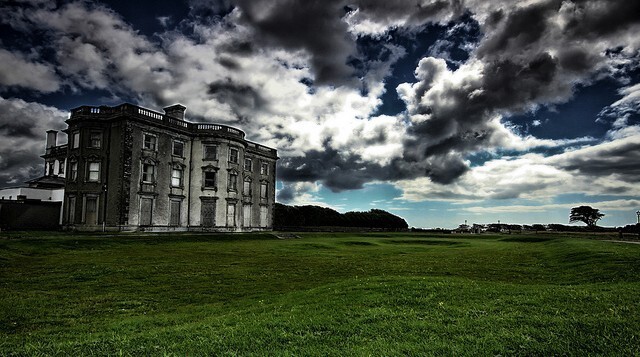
x,y
438,111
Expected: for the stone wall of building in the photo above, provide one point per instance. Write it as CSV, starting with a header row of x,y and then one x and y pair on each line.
x,y
157,172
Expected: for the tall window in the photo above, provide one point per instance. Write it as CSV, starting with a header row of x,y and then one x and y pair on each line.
x,y
178,148
71,218
233,181
61,168
247,164
174,213
210,152
233,155
73,167
95,139
148,173
75,140
91,210
209,179
264,168
246,187
263,216
149,142
93,174
231,214
50,167
176,177
263,189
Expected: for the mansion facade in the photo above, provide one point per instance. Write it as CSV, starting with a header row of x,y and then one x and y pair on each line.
x,y
131,168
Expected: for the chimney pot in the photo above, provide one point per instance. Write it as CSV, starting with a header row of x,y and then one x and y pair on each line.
x,y
175,111
52,139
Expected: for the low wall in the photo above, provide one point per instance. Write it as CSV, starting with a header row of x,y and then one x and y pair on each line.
x,y
337,229
29,215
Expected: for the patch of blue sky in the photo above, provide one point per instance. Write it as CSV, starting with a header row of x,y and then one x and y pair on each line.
x,y
573,119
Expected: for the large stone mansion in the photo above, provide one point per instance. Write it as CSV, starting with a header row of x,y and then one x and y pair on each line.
x,y
131,168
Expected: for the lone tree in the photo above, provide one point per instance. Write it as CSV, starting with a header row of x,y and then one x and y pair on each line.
x,y
585,214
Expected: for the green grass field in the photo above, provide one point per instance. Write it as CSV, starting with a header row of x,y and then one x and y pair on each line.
x,y
322,294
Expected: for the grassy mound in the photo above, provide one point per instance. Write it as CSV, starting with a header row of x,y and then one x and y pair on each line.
x,y
336,294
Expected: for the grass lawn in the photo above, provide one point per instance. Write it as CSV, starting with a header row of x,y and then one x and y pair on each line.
x,y
323,294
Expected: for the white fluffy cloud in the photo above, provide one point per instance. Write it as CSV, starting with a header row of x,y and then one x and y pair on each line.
x,y
603,169
18,70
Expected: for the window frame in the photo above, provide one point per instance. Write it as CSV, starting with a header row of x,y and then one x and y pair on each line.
x,y
73,170
173,214
249,191
264,168
204,152
144,141
144,173
75,139
264,190
89,171
232,185
179,178
173,148
214,179
248,160
92,138
234,159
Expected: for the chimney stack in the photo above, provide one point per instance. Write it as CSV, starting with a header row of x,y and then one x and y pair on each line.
x,y
175,111
52,139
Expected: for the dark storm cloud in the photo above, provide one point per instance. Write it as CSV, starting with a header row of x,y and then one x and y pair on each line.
x,y
413,12
236,95
621,158
229,63
328,166
314,26
594,19
577,59
527,61
318,28
19,129
523,27
339,172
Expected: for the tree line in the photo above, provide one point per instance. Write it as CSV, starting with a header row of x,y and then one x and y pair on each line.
x,y
315,216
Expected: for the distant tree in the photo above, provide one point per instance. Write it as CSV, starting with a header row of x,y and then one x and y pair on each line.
x,y
315,216
538,227
585,214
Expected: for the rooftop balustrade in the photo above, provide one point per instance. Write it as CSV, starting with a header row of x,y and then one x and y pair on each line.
x,y
154,117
